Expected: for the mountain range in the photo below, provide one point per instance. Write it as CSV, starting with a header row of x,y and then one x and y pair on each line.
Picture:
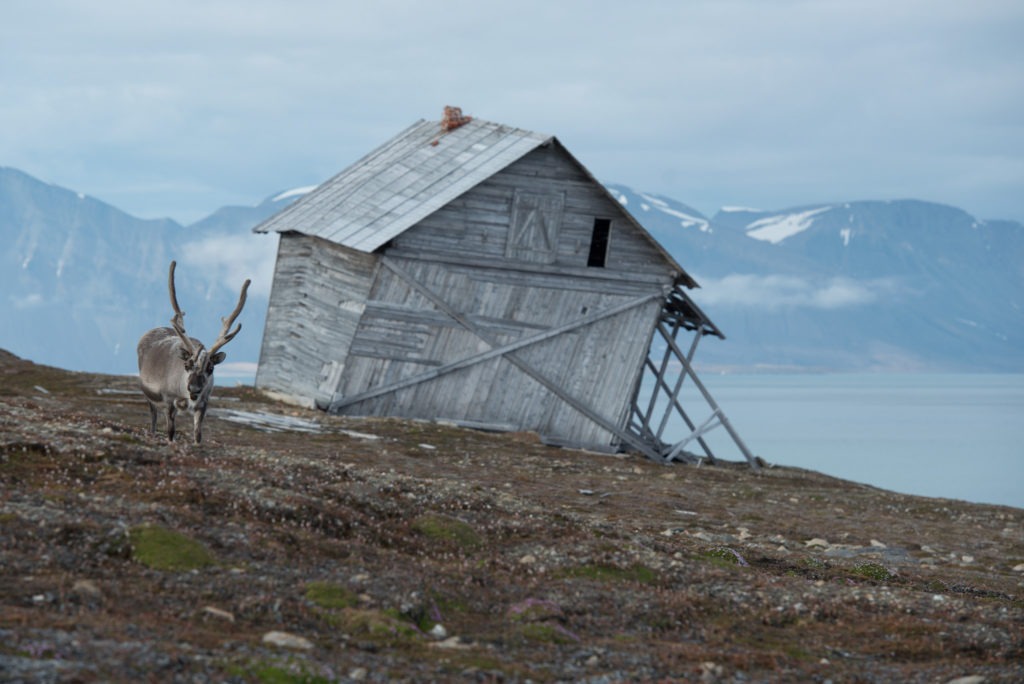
x,y
849,286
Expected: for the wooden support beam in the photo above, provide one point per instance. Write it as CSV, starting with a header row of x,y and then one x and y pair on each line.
x,y
679,383
712,403
659,373
682,413
708,424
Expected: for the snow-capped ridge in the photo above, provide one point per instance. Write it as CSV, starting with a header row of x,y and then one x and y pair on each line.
x,y
685,220
775,229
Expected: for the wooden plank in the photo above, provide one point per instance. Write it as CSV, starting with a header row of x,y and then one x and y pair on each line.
x,y
495,351
314,308
553,386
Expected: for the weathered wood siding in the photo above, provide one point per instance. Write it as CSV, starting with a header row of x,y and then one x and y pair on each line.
x,y
476,225
316,303
403,334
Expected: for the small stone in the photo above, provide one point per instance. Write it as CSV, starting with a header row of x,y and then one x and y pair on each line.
x,y
744,533
817,543
286,640
357,674
928,549
218,613
967,559
710,671
451,643
593,661
878,545
528,559
969,679
438,632
86,589
1019,567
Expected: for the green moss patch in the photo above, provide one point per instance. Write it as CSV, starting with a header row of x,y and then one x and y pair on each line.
x,y
872,571
447,529
328,595
543,632
611,573
724,556
162,549
277,672
375,625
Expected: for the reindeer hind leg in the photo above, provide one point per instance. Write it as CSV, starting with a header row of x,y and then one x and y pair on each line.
x,y
152,417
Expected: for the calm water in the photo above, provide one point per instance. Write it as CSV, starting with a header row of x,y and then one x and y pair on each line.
x,y
954,436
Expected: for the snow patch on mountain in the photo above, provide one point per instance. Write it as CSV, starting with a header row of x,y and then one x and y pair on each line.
x,y
685,220
775,229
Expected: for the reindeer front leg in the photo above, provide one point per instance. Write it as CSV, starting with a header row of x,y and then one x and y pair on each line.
x,y
197,424
171,411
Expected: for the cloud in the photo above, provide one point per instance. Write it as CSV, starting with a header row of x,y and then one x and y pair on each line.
x,y
774,104
229,260
788,292
29,301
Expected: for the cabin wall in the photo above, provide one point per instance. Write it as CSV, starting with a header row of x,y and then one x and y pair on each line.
x,y
476,226
405,333
316,302
509,259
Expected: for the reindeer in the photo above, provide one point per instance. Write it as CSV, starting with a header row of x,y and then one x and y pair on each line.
x,y
176,371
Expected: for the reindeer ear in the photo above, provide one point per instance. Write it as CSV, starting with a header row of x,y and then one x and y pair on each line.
x,y
218,357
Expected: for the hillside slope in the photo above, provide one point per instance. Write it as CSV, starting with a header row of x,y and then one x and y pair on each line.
x,y
342,549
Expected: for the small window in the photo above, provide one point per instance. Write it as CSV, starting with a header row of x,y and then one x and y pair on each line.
x,y
599,243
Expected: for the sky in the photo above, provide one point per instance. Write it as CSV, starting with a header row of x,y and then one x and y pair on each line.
x,y
178,108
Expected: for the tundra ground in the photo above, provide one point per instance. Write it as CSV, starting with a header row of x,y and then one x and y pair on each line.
x,y
298,547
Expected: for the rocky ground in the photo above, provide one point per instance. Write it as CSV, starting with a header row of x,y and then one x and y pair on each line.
x,y
296,547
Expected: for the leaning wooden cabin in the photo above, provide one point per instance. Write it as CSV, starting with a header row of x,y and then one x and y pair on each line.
x,y
478,273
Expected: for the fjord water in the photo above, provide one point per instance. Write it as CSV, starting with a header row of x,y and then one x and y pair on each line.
x,y
953,436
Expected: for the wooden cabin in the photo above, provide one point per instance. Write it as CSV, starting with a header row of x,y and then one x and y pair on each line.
x,y
473,272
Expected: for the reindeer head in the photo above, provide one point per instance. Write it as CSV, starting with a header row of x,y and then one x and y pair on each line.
x,y
199,362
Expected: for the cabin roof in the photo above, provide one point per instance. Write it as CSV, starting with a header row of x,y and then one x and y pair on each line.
x,y
411,176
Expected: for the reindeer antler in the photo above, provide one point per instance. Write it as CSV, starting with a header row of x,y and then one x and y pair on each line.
x,y
226,336
178,322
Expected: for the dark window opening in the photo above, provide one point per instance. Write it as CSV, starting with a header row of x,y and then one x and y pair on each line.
x,y
599,243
